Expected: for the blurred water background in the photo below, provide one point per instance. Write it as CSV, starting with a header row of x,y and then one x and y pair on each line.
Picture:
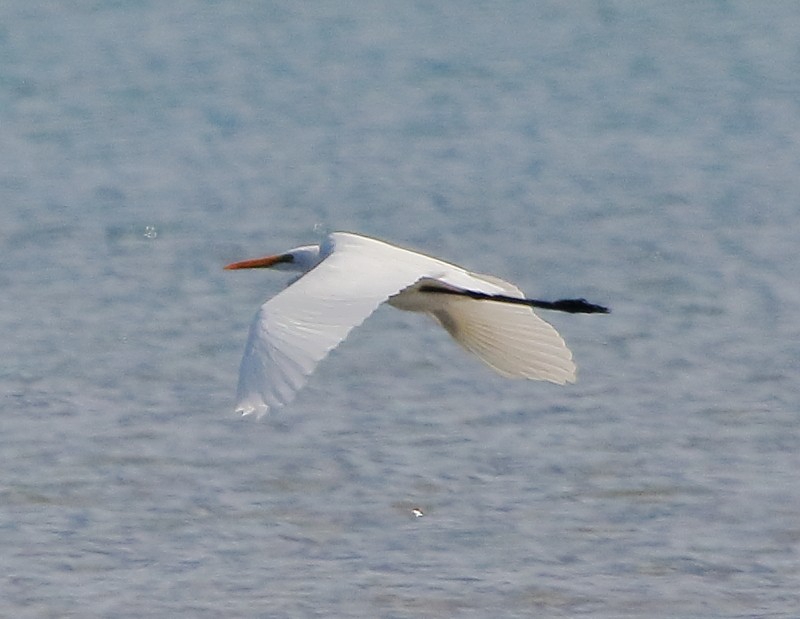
x,y
645,155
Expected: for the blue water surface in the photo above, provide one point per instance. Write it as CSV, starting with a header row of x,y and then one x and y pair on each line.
x,y
644,155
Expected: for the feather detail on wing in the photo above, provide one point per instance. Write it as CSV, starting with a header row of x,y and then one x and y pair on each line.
x,y
511,339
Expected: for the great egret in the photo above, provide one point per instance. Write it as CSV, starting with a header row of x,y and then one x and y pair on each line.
x,y
349,275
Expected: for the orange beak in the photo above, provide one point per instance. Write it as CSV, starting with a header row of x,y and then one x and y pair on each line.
x,y
260,263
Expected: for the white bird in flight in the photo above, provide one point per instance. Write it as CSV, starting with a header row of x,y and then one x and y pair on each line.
x,y
349,275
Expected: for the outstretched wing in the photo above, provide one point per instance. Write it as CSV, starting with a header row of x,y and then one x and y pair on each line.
x,y
298,327
509,338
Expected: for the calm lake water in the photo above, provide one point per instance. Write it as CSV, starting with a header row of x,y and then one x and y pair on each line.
x,y
643,155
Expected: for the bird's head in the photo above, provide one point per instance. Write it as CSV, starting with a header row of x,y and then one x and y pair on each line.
x,y
298,259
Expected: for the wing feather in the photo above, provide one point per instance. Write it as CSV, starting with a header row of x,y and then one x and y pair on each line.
x,y
293,331
511,339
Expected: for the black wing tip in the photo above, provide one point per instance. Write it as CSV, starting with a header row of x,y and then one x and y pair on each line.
x,y
578,306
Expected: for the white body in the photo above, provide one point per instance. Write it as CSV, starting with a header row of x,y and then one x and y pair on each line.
x,y
347,278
